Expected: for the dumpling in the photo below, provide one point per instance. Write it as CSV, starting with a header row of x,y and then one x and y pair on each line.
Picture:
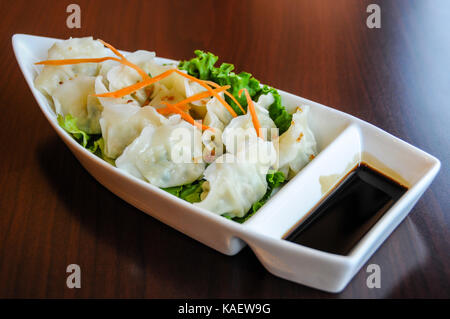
x,y
212,140
162,94
117,76
198,108
214,107
144,59
173,82
241,127
108,101
265,100
167,155
122,121
50,77
217,117
74,97
193,88
235,181
296,146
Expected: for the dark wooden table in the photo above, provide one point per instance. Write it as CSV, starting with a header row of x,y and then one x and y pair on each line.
x,y
53,213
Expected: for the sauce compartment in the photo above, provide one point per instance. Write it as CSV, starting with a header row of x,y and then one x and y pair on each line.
x,y
348,212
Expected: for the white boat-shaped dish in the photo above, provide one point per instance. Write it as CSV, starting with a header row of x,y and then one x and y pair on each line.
x,y
343,141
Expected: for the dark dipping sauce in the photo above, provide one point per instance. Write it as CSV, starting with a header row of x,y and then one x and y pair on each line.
x,y
339,222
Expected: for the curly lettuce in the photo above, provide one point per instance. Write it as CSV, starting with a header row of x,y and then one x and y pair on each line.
x,y
92,142
202,67
277,111
189,192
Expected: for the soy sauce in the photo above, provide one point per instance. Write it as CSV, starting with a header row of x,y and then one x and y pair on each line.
x,y
348,212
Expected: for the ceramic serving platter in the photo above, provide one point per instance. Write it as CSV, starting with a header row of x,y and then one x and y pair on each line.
x,y
343,141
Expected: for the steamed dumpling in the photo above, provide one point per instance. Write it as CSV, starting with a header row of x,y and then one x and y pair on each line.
x,y
51,76
236,181
162,94
241,128
217,117
144,59
198,108
296,146
167,155
193,88
117,76
122,123
265,100
74,97
215,109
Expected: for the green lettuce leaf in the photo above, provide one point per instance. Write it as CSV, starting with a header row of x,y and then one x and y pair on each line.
x,y
277,112
202,67
189,192
92,142
237,82
98,148
69,124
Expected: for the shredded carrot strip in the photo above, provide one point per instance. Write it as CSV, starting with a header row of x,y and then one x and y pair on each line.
x,y
133,88
214,84
166,111
202,95
251,108
206,86
138,69
77,61
124,61
185,116
113,49
183,105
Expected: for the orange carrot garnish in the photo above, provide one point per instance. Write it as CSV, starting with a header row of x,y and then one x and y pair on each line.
x,y
185,116
203,95
133,88
206,86
113,49
183,105
252,110
167,111
214,84
124,61
77,61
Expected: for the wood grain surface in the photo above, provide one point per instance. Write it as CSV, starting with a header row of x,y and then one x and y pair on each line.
x,y
53,213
